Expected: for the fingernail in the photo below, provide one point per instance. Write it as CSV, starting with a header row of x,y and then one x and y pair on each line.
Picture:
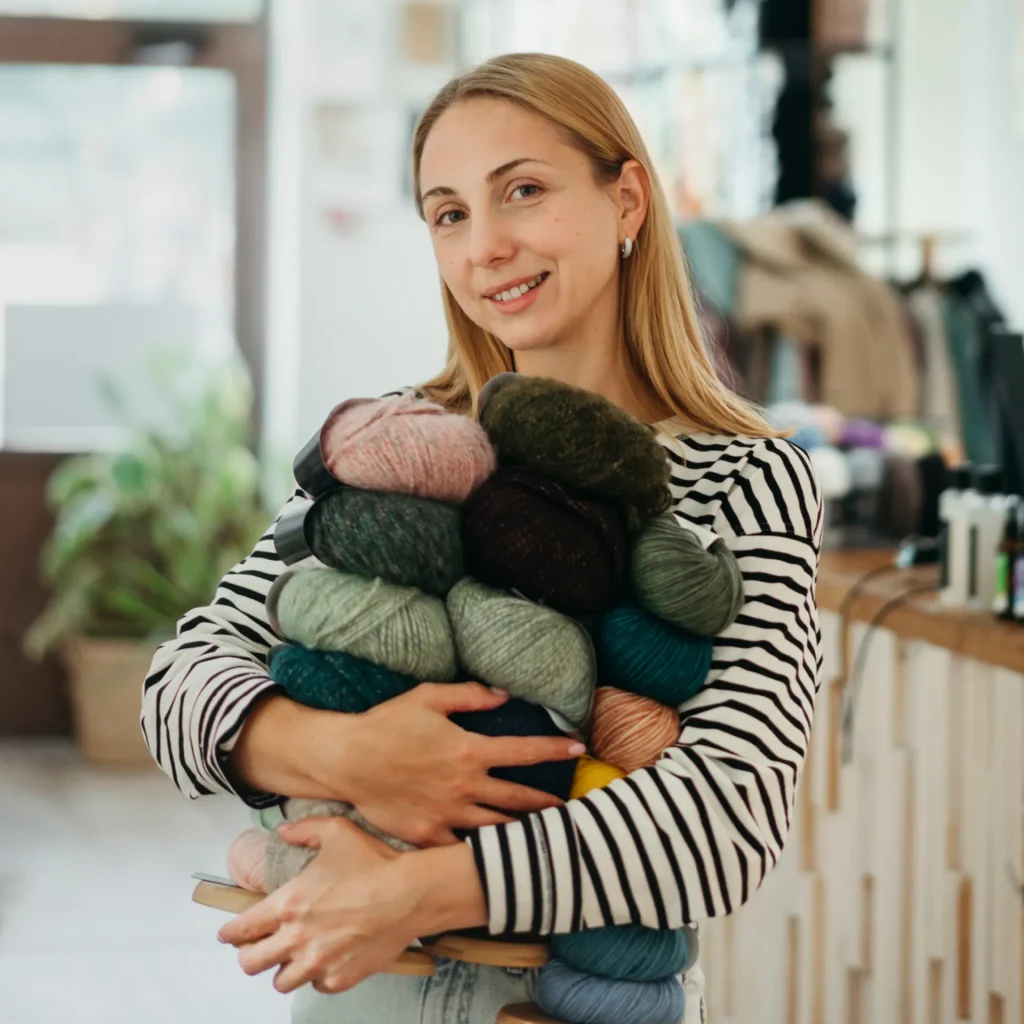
x,y
498,690
577,748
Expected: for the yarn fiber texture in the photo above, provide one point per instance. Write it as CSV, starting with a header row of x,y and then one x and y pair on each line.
x,y
573,996
284,861
625,952
406,445
401,538
630,731
676,579
580,439
592,774
247,860
401,628
334,680
521,718
643,654
526,533
535,653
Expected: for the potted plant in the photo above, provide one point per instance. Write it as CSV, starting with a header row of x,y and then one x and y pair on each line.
x,y
141,536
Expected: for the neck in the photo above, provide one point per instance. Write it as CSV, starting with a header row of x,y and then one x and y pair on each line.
x,y
595,360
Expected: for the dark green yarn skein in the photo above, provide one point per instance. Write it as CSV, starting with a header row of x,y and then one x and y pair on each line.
x,y
641,653
676,579
401,538
334,680
579,439
626,952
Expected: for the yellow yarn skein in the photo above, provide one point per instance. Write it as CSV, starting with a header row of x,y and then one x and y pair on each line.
x,y
592,774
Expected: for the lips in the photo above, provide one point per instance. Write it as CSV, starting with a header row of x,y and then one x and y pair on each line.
x,y
516,290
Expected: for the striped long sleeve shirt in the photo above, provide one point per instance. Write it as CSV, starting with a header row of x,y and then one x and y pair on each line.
x,y
688,838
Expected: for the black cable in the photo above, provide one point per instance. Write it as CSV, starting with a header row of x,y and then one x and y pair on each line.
x,y
850,691
855,591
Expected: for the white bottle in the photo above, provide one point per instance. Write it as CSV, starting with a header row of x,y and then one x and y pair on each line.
x,y
953,537
986,518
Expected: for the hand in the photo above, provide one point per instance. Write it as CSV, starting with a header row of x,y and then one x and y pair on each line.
x,y
417,775
353,910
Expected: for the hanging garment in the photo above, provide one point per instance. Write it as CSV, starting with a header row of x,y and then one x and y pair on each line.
x,y
940,404
800,276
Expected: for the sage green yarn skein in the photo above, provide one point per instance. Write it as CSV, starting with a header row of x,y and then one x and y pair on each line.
x,y
578,439
533,652
677,580
403,539
400,628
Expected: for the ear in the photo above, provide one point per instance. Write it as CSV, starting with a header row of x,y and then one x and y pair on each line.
x,y
632,195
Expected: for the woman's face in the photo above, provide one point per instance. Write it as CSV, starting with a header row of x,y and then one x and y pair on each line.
x,y
527,240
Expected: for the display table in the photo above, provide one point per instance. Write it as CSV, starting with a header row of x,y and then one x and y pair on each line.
x,y
898,894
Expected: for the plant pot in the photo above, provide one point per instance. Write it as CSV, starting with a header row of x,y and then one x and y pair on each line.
x,y
106,679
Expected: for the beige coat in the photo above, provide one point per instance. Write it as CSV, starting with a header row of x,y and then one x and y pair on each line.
x,y
801,277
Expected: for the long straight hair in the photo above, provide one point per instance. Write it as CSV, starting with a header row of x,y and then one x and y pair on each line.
x,y
664,343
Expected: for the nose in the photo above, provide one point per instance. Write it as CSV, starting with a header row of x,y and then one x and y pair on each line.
x,y
490,241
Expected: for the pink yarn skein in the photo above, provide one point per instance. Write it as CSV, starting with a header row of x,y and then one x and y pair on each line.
x,y
247,860
408,446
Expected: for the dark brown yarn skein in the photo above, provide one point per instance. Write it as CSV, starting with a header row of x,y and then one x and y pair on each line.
x,y
525,533
581,440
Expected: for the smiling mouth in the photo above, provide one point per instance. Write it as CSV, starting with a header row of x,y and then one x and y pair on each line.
x,y
519,290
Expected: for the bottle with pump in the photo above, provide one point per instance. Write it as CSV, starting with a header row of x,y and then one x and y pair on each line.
x,y
1010,551
986,515
953,536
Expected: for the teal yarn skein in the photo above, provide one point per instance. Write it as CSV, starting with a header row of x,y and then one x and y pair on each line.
x,y
641,653
678,580
573,996
334,680
401,538
625,952
535,653
401,628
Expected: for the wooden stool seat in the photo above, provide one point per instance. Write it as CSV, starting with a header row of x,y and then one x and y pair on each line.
x,y
491,952
525,1013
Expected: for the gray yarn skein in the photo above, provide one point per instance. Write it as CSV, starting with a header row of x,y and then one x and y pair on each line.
x,y
285,861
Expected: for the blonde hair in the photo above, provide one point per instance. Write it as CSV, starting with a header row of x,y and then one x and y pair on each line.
x,y
663,338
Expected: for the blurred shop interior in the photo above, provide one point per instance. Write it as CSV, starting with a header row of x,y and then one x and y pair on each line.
x,y
208,240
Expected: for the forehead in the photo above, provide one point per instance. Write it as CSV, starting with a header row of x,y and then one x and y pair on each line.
x,y
474,136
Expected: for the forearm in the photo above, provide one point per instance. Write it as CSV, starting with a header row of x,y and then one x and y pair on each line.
x,y
275,751
445,889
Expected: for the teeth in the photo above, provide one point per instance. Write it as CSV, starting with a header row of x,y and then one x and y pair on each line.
x,y
519,290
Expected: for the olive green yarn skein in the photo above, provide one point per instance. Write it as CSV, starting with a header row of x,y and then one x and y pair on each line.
x,y
401,628
579,439
675,578
403,539
533,652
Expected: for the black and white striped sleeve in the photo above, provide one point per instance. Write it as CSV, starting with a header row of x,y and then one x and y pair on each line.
x,y
202,684
695,835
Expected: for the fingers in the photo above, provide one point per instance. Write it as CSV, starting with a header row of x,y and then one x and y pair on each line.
x,y
477,817
261,956
255,923
510,796
522,750
449,697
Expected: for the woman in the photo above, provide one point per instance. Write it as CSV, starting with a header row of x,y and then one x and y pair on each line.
x,y
558,258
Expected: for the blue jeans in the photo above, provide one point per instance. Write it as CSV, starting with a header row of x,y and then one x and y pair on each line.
x,y
459,993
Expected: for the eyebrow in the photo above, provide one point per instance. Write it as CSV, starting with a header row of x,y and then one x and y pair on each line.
x,y
445,190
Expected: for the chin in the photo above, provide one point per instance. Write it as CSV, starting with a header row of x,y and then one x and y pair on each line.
x,y
526,337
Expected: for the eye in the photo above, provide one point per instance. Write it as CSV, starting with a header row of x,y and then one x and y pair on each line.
x,y
526,191
441,221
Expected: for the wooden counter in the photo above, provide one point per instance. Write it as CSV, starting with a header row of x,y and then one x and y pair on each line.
x,y
972,634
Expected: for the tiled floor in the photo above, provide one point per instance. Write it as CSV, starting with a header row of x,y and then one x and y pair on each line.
x,y
96,923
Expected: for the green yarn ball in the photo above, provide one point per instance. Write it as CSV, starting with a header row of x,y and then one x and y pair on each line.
x,y
403,539
531,651
334,680
626,952
579,439
401,628
676,579
643,654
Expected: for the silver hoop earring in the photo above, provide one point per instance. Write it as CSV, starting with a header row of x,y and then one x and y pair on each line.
x,y
627,248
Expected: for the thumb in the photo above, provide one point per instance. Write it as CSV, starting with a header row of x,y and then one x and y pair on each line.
x,y
309,832
450,697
